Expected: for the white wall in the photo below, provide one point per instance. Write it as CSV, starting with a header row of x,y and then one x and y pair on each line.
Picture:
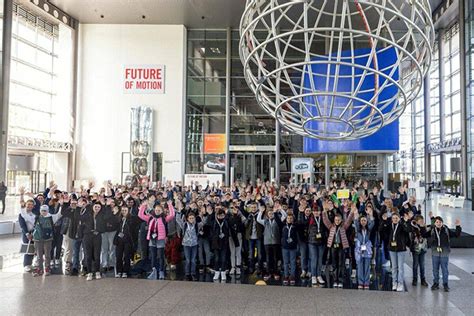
x,y
104,110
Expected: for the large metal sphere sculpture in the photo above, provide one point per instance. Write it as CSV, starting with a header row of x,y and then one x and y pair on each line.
x,y
336,69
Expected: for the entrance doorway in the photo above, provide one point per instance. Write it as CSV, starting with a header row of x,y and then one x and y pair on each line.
x,y
252,166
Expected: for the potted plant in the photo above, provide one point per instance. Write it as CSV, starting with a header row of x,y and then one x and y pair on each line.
x,y
453,184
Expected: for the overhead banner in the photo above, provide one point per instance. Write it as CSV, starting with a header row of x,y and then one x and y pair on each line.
x,y
214,143
144,79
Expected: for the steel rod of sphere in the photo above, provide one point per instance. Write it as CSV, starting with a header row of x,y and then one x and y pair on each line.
x,y
280,55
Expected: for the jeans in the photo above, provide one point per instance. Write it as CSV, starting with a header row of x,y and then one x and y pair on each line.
x,y
92,247
304,255
289,262
56,245
337,260
220,256
442,262
255,245
76,253
2,199
107,255
123,255
272,253
204,249
363,271
190,253
316,258
157,258
398,261
43,248
235,252
27,260
419,261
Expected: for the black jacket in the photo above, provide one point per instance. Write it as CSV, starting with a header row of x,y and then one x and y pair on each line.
x,y
90,225
289,236
401,236
445,235
218,242
71,221
129,228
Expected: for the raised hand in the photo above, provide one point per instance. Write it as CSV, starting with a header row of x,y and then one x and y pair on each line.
x,y
430,214
457,222
384,216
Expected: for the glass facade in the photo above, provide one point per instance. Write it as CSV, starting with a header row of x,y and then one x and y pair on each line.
x,y
40,98
445,123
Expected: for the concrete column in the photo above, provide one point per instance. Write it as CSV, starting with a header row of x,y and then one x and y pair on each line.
x,y
427,112
277,151
227,106
5,84
442,102
464,81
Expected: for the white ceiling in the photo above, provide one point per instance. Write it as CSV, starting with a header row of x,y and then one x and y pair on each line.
x,y
216,13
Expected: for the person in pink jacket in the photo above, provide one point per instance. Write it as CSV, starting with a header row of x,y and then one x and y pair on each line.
x,y
157,219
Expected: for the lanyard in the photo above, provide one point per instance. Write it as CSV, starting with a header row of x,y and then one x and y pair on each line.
x,y
123,223
394,231
289,230
337,236
318,222
364,233
438,237
220,226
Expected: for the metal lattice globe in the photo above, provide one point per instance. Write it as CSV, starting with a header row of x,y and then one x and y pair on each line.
x,y
336,69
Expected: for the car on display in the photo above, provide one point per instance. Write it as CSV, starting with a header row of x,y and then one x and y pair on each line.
x,y
218,166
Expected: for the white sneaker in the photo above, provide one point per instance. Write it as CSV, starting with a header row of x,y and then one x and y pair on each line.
x,y
340,285
223,277
118,275
400,287
232,271
98,276
308,275
320,280
394,286
27,269
314,281
89,277
237,271
216,276
124,276
303,274
353,275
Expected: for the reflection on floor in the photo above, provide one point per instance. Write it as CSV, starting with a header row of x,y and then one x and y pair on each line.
x,y
380,280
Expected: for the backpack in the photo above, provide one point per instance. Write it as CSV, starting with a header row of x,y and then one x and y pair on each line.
x,y
42,231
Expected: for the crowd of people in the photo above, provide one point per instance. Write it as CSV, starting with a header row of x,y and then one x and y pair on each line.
x,y
275,232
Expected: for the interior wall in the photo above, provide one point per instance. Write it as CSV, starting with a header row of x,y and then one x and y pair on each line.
x,y
104,110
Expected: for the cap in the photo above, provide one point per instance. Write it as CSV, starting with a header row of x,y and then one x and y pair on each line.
x,y
44,208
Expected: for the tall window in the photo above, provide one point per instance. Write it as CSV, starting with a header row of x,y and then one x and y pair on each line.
x,y
452,82
41,78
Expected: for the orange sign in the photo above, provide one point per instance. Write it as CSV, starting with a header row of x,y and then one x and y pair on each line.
x,y
214,143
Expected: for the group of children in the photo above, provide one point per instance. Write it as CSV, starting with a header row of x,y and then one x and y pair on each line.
x,y
273,231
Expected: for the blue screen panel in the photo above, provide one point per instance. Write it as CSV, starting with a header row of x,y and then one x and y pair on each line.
x,y
387,138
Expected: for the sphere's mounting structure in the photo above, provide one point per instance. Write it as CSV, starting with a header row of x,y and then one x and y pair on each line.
x,y
320,66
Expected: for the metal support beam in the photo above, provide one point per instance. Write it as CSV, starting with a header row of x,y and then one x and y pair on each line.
x,y
71,162
5,84
464,81
228,69
442,103
327,175
277,151
427,112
